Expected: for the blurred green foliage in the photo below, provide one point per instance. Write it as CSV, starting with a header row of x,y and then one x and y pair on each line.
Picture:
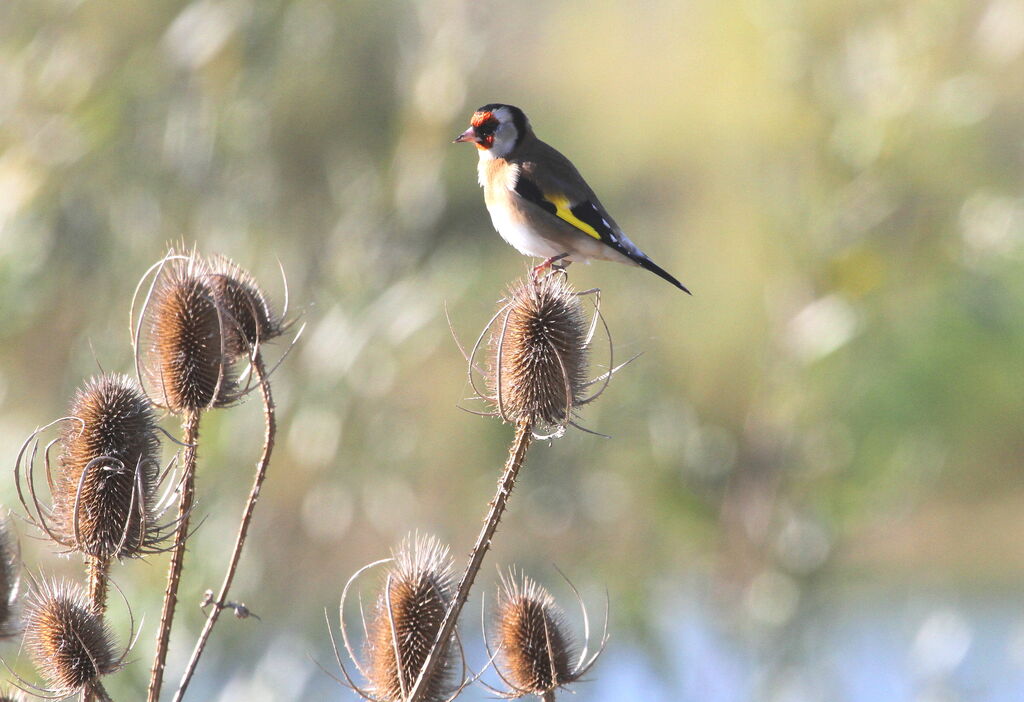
x,y
840,184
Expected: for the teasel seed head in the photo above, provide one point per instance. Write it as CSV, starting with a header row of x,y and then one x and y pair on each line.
x,y
183,341
539,344
534,648
69,644
407,616
9,582
249,318
104,495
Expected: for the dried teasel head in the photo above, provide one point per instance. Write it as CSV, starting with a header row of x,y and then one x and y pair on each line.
x,y
532,641
540,344
182,338
9,582
531,638
407,616
539,364
70,645
104,493
250,320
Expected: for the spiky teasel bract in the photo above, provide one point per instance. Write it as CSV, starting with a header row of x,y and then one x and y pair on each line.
x,y
250,320
183,338
9,582
406,619
539,364
104,494
70,645
536,651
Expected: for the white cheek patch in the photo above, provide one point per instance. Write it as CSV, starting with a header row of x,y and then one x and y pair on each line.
x,y
504,138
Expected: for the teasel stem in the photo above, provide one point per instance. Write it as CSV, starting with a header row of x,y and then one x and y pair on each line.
x,y
516,458
190,438
548,696
96,691
97,571
243,528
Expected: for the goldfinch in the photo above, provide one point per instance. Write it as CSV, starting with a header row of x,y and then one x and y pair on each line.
x,y
538,201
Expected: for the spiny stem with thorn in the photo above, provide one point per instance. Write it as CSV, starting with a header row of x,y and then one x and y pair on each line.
x,y
95,690
190,431
97,571
243,527
517,456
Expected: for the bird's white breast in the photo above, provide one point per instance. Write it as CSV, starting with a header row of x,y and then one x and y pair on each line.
x,y
499,181
518,233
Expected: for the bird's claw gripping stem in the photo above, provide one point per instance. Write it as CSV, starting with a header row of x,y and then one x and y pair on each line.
x,y
546,264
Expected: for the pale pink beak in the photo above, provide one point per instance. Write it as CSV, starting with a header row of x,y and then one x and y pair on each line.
x,y
468,135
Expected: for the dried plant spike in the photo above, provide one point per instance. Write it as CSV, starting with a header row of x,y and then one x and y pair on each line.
x,y
69,644
9,582
535,651
249,318
183,340
539,344
104,495
408,613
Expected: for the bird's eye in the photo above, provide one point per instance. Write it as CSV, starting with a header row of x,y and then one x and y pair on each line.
x,y
487,128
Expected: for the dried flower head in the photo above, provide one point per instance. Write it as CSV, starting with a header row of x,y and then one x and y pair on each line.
x,y
249,318
69,644
408,614
9,582
539,364
535,650
104,495
531,636
183,340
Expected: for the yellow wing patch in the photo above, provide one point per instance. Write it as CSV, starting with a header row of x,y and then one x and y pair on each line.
x,y
563,211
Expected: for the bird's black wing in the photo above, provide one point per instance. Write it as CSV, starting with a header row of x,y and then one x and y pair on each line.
x,y
586,215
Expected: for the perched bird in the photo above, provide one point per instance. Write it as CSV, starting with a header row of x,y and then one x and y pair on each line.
x,y
538,201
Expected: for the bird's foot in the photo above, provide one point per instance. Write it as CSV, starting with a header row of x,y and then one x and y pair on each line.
x,y
549,263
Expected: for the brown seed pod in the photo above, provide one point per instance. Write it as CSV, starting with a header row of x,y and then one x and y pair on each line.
x,y
532,642
249,318
534,648
104,495
182,341
69,644
407,617
539,344
9,581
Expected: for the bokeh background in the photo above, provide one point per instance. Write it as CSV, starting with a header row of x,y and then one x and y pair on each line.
x,y
814,489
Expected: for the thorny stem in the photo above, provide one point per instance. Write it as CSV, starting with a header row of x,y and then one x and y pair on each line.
x,y
516,458
97,570
98,692
548,696
243,526
96,574
190,431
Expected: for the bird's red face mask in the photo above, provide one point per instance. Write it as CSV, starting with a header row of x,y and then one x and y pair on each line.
x,y
481,130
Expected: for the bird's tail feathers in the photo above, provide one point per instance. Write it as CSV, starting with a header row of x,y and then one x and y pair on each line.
x,y
653,267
